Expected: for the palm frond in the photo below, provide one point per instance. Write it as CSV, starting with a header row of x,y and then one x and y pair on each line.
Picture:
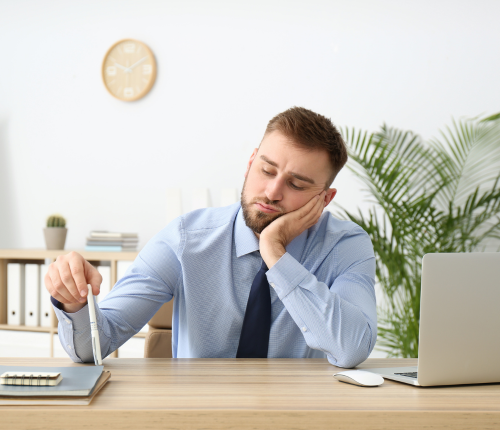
x,y
470,157
492,117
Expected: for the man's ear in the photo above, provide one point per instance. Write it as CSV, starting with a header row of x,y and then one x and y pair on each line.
x,y
330,194
252,157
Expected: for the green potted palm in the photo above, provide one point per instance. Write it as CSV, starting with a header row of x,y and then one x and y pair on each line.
x,y
442,195
55,232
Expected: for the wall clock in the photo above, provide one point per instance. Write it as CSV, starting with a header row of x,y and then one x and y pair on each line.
x,y
129,70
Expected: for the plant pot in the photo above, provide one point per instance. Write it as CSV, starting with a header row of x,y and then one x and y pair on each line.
x,y
55,237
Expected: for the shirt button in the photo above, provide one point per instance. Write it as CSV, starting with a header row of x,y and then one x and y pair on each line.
x,y
304,329
68,321
272,285
69,346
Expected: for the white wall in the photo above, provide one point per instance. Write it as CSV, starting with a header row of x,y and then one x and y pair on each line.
x,y
224,69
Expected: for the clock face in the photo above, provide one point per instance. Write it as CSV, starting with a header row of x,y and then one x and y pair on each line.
x,y
129,70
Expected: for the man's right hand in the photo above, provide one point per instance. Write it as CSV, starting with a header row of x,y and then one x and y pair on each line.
x,y
67,281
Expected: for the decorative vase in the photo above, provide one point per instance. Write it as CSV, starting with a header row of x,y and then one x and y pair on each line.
x,y
55,237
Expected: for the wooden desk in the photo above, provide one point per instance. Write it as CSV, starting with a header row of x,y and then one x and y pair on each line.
x,y
256,394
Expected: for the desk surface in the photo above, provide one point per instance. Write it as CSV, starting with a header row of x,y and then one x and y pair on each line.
x,y
257,393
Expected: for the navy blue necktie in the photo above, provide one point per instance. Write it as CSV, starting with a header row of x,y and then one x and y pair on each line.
x,y
254,338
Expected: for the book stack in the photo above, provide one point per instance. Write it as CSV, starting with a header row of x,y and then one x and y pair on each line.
x,y
20,385
111,241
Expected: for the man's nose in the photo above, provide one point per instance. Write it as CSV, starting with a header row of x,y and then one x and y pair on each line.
x,y
274,190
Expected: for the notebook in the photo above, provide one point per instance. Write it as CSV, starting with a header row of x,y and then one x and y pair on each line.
x,y
31,378
79,384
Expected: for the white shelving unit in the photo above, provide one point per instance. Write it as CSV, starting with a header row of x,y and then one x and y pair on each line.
x,y
40,256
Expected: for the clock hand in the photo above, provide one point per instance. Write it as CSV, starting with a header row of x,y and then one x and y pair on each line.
x,y
126,69
139,62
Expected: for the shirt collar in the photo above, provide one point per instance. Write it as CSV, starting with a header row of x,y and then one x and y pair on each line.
x,y
246,241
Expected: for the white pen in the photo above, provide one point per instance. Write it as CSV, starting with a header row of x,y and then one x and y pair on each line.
x,y
96,345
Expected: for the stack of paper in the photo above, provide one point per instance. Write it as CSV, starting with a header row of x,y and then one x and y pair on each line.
x,y
111,241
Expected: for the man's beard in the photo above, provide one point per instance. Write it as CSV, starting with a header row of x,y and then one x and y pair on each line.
x,y
255,219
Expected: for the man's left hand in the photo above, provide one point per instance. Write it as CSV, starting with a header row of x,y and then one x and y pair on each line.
x,y
277,235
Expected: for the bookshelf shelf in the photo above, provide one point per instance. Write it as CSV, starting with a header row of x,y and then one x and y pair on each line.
x,y
27,328
41,256
44,329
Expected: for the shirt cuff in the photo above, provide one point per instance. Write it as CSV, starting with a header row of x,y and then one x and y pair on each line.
x,y
286,275
75,321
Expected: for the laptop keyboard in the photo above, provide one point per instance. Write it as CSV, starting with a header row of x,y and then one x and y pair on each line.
x,y
409,374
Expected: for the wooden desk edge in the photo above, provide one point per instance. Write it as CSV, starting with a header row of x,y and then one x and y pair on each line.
x,y
246,419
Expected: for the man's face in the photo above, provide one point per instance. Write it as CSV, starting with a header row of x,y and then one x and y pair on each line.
x,y
280,178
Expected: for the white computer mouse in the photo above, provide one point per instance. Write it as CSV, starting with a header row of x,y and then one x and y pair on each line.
x,y
360,377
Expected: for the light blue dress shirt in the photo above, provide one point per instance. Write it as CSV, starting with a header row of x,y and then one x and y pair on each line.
x,y
322,291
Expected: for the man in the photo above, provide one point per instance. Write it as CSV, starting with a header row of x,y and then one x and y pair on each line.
x,y
273,276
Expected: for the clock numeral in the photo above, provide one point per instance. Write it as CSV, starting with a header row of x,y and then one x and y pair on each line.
x,y
129,48
128,92
147,69
111,70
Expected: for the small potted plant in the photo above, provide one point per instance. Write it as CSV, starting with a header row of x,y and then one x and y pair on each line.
x,y
55,233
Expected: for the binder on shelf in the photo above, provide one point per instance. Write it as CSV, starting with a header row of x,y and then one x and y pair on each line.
x,y
15,293
32,295
45,303
105,272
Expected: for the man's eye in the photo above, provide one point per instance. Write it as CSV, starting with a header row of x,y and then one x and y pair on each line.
x,y
295,186
266,172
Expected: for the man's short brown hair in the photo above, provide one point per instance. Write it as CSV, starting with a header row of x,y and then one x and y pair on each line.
x,y
311,130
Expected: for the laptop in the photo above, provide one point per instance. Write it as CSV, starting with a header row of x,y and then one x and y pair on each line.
x,y
459,338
